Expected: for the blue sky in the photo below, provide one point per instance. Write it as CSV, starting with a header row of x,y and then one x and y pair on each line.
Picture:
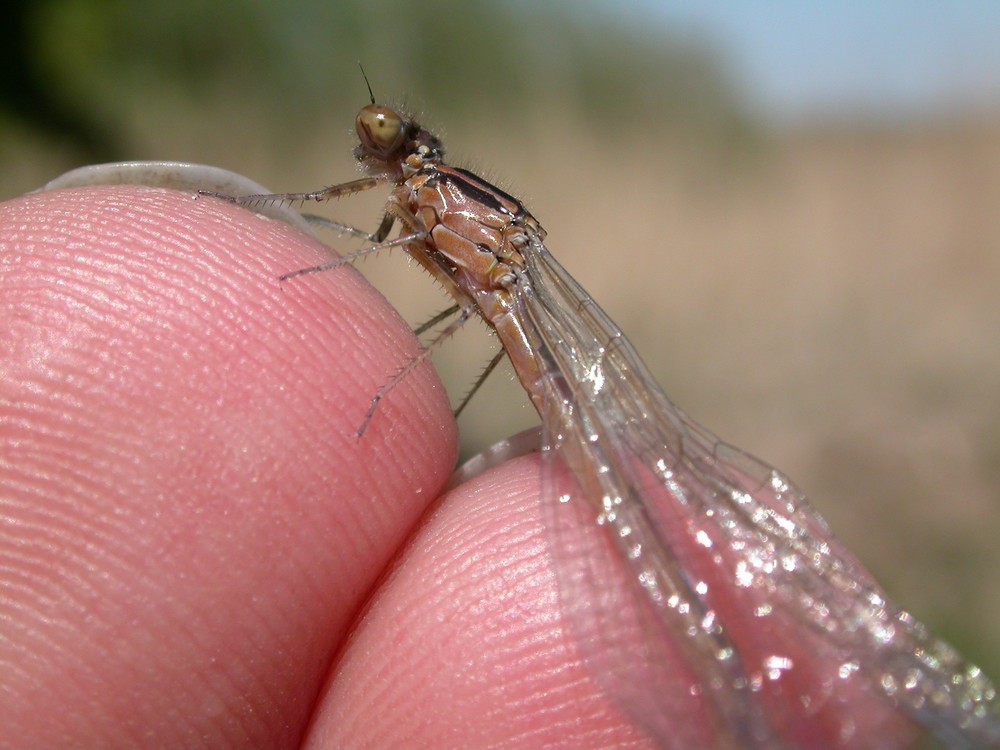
x,y
887,58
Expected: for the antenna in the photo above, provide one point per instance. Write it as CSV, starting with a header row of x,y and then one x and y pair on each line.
x,y
365,75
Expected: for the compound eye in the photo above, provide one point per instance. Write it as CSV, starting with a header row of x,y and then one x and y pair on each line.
x,y
380,129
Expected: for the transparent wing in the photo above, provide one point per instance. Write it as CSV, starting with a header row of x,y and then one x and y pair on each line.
x,y
706,595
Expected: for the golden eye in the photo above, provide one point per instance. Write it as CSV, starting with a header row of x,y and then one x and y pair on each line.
x,y
380,129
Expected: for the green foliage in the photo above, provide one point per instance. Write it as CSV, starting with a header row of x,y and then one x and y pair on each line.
x,y
96,58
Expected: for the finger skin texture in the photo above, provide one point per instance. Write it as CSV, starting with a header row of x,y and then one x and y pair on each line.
x,y
189,521
462,647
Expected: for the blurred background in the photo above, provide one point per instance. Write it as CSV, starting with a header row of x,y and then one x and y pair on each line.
x,y
793,210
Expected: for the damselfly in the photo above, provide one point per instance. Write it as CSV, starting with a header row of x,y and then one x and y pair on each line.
x,y
676,553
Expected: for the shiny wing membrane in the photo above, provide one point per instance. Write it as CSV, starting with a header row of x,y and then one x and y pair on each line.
x,y
707,597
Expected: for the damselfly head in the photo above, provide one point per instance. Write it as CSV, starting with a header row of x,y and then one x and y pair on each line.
x,y
387,137
381,131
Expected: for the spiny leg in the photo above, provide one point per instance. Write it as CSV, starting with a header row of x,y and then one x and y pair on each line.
x,y
384,227
448,332
480,380
424,327
325,194
323,222
351,257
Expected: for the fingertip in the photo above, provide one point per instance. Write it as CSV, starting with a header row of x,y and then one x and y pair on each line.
x,y
464,644
180,455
